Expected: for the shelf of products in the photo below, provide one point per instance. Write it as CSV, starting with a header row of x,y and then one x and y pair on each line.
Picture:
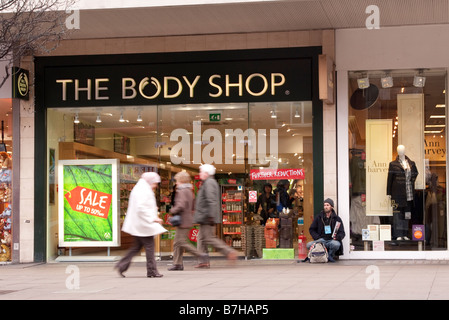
x,y
232,208
5,207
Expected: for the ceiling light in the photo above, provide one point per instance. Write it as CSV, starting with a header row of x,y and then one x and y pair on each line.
x,y
419,81
435,125
98,119
363,83
77,120
273,112
387,82
437,116
440,106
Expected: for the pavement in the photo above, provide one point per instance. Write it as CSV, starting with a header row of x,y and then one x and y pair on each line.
x,y
242,280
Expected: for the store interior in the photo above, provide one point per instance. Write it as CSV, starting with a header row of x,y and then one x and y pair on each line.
x,y
375,95
235,137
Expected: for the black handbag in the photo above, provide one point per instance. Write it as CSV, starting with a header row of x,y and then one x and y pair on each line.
x,y
175,220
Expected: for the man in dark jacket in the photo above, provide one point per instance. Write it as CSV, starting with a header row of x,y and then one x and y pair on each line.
x,y
328,228
207,214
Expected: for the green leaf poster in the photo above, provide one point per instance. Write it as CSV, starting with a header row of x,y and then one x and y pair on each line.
x,y
88,215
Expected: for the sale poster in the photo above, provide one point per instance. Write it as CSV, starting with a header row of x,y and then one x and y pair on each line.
x,y
88,214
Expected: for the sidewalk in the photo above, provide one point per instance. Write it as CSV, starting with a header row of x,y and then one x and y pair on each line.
x,y
261,280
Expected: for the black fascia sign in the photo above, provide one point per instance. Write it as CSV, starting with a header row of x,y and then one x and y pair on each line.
x,y
124,84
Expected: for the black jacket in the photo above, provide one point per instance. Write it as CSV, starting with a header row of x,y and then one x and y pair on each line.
x,y
396,181
207,203
317,228
266,203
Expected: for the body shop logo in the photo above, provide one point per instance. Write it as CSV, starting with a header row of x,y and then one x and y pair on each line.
x,y
21,86
171,87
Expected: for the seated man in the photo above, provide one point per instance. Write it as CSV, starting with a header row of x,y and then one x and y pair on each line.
x,y
323,230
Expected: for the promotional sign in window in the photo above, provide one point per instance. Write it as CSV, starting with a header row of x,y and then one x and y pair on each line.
x,y
275,174
378,157
88,210
411,132
418,232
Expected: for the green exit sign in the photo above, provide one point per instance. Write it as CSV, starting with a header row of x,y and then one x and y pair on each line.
x,y
214,117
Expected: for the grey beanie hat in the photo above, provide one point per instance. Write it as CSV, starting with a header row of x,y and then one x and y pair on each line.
x,y
330,201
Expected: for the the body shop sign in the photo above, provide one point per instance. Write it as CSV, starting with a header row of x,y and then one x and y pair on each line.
x,y
88,211
211,77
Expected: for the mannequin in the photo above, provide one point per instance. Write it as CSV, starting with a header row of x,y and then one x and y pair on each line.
x,y
402,174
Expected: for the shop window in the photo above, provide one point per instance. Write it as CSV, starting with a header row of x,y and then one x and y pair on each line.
x,y
291,159
6,154
397,160
251,145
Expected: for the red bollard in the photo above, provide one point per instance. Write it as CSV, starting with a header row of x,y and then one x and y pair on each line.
x,y
302,249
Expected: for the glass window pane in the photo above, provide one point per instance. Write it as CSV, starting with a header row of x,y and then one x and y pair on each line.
x,y
245,142
397,152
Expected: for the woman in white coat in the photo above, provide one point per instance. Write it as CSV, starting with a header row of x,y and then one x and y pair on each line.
x,y
143,223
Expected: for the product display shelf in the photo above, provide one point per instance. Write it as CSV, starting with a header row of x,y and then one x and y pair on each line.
x,y
232,208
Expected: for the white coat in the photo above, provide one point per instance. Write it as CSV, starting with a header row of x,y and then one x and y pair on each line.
x,y
140,220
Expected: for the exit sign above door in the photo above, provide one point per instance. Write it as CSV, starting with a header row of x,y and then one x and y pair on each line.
x,y
214,117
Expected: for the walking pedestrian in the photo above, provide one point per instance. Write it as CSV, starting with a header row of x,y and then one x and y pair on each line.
x,y
207,215
143,223
184,207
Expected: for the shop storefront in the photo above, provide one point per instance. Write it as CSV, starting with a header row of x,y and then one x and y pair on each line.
x,y
392,122
254,114
13,90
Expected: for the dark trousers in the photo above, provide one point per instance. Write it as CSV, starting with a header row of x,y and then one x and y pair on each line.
x,y
139,242
206,237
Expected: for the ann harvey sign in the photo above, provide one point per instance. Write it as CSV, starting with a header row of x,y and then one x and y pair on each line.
x,y
246,76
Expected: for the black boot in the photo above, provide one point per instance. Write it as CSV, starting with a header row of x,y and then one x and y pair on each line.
x,y
176,267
